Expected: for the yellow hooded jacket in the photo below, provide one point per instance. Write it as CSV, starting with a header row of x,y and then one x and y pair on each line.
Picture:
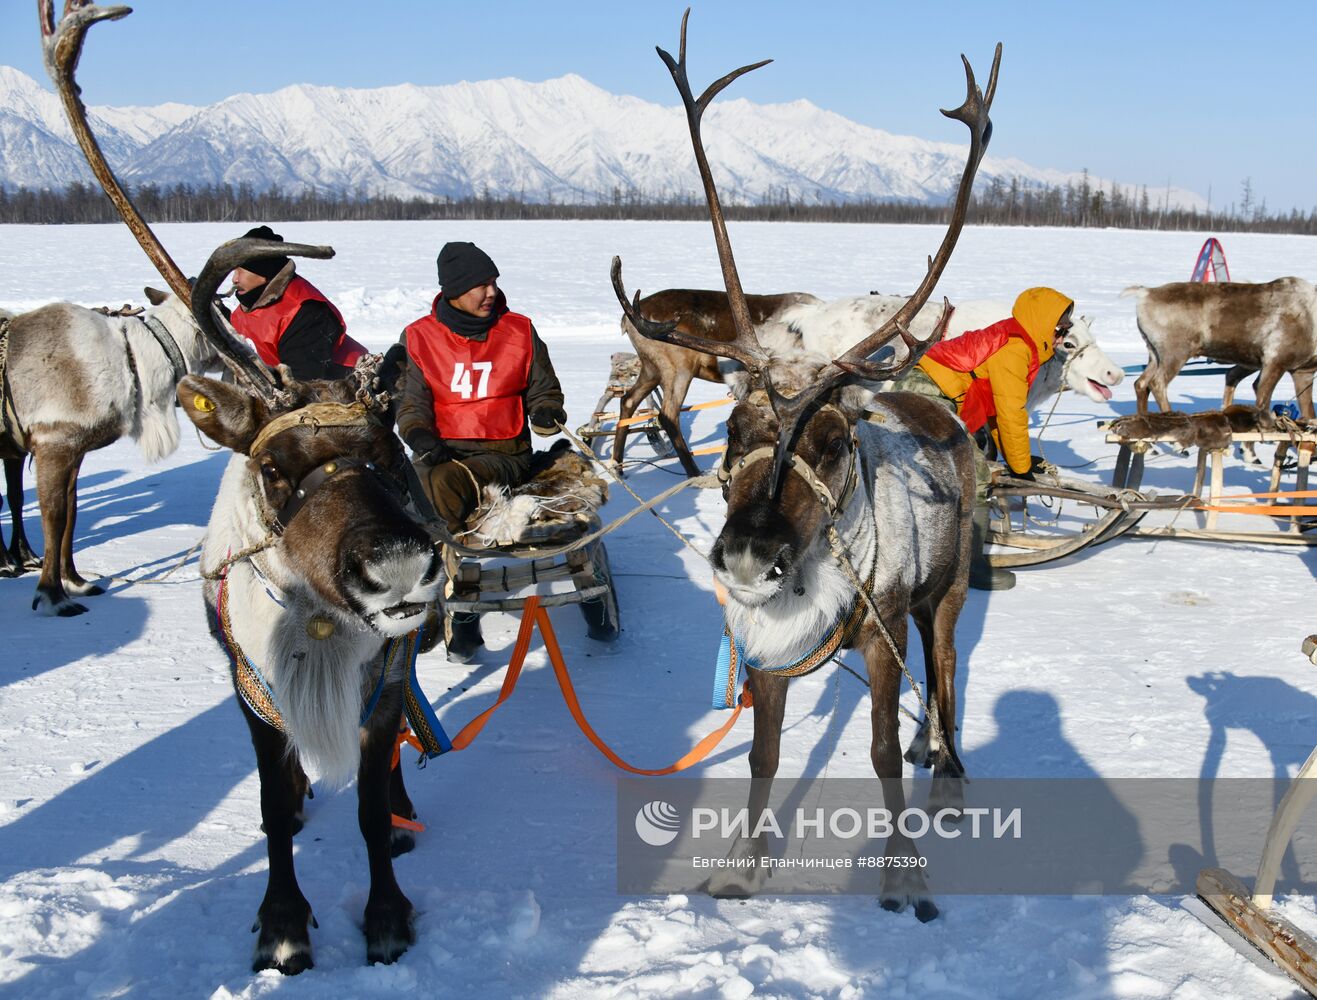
x,y
1037,310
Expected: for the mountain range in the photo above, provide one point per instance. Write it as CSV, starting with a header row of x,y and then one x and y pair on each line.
x,y
564,140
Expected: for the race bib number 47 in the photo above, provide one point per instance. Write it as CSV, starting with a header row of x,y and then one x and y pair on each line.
x,y
463,377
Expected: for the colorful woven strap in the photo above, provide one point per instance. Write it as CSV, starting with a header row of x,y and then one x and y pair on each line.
x,y
732,658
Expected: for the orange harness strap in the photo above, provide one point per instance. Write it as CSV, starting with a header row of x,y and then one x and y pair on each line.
x,y
533,615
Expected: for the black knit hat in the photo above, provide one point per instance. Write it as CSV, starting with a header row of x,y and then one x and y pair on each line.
x,y
266,267
463,266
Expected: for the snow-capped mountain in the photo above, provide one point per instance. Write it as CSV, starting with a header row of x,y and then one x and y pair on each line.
x,y
564,139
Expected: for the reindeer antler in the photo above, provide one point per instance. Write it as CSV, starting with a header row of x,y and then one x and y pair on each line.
x,y
745,348
858,361
224,259
61,48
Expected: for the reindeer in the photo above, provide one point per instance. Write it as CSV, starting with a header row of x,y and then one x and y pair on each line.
x,y
79,381
808,471
832,327
1078,363
1270,328
702,313
314,571
332,567
18,558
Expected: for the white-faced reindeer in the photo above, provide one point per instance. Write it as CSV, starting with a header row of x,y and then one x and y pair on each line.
x,y
815,484
1078,364
314,571
830,327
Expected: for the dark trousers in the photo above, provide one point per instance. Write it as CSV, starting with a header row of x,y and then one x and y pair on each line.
x,y
454,488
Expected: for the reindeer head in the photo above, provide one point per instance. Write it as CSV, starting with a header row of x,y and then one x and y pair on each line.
x,y
790,465
325,471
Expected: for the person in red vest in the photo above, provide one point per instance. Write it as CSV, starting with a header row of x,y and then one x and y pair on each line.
x,y
985,375
288,320
478,380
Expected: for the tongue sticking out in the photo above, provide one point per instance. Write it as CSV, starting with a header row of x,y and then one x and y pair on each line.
x,y
1101,389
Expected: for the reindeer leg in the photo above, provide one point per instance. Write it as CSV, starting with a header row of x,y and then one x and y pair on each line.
x,y
73,580
388,927
400,804
1303,392
9,566
285,915
922,748
670,420
1266,385
770,697
19,549
54,468
901,885
948,772
644,385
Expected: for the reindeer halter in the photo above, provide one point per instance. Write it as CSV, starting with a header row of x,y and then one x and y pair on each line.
x,y
315,416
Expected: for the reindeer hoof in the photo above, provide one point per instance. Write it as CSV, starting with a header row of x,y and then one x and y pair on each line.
x,y
389,931
8,570
925,909
284,943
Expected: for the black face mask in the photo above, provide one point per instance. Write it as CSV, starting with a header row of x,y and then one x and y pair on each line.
x,y
464,324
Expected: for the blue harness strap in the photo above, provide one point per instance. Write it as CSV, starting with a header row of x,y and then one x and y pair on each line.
x,y
732,660
420,715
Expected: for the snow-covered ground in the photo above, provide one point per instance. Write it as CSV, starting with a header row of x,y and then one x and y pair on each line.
x,y
131,863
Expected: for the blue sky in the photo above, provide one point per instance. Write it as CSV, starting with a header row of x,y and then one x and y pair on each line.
x,y
1199,95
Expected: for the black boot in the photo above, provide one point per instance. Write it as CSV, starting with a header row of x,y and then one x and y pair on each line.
x,y
982,575
462,635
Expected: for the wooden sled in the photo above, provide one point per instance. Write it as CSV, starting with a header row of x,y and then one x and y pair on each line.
x,y
1056,516
663,437
1214,434
489,569
623,371
1248,917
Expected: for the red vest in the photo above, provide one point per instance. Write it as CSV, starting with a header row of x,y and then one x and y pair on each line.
x,y
478,385
265,326
970,350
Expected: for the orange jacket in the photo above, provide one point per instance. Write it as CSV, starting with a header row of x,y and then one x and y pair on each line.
x,y
1008,371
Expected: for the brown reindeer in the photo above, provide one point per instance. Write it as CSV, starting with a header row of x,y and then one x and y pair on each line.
x,y
334,568
315,574
1270,328
671,369
833,514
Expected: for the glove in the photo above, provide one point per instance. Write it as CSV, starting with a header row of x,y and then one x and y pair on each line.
x,y
427,449
544,420
1027,475
437,455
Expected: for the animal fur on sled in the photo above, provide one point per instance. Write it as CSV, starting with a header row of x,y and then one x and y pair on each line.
x,y
563,492
1211,429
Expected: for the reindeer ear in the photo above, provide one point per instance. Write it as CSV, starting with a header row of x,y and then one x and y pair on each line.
x,y
227,415
154,295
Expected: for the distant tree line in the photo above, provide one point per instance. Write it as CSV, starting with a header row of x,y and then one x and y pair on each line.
x,y
1013,202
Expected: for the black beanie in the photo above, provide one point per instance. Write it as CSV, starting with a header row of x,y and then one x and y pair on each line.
x,y
463,266
266,267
